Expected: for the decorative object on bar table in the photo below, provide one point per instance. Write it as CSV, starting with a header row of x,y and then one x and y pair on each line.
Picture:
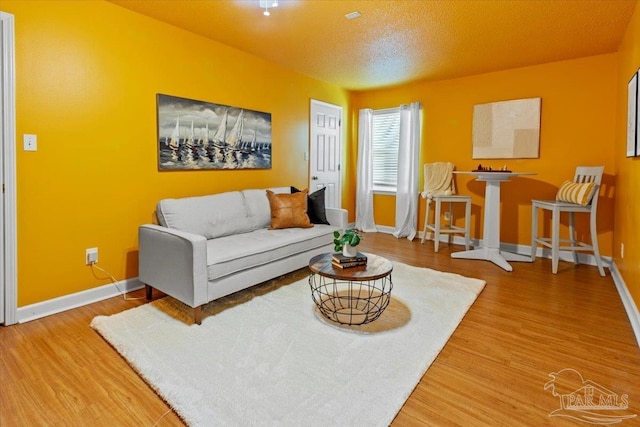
x,y
347,242
490,169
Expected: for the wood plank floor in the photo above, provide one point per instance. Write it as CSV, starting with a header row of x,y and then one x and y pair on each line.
x,y
524,325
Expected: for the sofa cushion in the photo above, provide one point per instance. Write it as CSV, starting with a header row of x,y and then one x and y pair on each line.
x,y
288,210
231,254
315,206
209,216
258,205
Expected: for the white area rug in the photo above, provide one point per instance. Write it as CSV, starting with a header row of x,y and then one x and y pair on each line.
x,y
266,358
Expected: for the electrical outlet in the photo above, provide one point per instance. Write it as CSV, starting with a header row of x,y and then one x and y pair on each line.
x,y
91,256
447,216
622,250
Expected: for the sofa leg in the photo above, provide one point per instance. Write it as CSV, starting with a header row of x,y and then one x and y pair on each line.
x,y
197,315
148,292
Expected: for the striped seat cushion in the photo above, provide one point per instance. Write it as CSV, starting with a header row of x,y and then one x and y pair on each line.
x,y
574,192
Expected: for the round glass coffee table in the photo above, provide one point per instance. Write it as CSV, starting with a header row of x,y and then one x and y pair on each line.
x,y
354,295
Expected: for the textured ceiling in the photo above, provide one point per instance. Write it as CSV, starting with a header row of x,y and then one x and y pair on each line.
x,y
395,42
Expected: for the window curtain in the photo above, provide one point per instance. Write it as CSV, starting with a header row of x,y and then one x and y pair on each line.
x,y
364,184
408,152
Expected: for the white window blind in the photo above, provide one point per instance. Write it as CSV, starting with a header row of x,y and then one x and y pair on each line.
x,y
385,137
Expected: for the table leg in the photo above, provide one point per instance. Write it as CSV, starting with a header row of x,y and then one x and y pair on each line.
x,y
486,254
490,249
491,229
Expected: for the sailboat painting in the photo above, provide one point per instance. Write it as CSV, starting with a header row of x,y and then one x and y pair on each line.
x,y
198,135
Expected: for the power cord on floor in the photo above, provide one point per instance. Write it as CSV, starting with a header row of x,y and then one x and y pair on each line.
x,y
163,415
115,282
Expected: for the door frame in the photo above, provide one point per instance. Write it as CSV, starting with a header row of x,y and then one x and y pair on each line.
x,y
313,103
8,145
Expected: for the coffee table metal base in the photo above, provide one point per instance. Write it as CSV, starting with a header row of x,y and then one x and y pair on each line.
x,y
351,302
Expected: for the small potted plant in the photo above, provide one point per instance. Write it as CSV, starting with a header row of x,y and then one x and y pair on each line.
x,y
347,242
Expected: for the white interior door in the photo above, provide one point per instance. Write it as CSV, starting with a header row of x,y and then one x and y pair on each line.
x,y
2,270
8,261
325,124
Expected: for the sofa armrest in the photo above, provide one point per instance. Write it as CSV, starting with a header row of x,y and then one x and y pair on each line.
x,y
174,262
337,217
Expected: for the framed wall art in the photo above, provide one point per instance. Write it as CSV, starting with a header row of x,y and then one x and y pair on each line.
x,y
633,120
507,129
197,135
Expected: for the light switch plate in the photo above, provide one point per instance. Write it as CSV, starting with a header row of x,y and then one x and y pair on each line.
x,y
30,142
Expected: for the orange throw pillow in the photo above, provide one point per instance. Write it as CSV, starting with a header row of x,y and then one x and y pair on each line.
x,y
288,210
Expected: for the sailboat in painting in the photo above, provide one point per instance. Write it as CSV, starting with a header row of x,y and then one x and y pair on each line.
x,y
204,150
204,140
189,147
234,139
174,141
221,133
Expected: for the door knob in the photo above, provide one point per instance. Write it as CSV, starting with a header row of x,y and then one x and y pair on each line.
x,y
315,178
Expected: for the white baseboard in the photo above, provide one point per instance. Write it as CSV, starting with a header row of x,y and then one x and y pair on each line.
x,y
78,299
444,238
627,301
583,258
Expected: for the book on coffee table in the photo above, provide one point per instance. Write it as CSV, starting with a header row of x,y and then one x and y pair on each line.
x,y
341,259
348,264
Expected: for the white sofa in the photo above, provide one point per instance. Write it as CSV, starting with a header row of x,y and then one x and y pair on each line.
x,y
211,246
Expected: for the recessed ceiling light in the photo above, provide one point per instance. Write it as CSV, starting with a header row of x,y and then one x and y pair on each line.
x,y
353,15
266,4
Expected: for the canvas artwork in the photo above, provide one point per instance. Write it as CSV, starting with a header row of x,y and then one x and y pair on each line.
x,y
633,118
201,135
507,129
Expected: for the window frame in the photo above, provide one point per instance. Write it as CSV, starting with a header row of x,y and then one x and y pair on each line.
x,y
382,188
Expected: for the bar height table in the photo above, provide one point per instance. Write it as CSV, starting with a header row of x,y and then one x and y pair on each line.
x,y
490,247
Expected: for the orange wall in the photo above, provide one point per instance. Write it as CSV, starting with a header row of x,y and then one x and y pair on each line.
x,y
627,203
578,128
87,78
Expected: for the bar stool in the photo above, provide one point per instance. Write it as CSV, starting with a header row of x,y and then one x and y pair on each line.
x,y
577,196
440,188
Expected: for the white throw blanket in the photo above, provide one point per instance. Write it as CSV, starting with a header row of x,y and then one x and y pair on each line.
x,y
438,179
